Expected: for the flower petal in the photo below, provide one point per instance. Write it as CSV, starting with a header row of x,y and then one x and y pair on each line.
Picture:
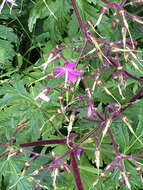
x,y
70,65
89,111
78,153
71,77
60,74
59,68
75,72
12,2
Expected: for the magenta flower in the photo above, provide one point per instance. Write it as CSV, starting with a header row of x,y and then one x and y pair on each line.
x,y
68,71
12,2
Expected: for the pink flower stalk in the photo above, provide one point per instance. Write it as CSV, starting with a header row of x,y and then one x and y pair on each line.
x,y
78,153
68,71
12,2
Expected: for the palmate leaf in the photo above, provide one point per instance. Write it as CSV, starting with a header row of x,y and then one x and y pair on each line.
x,y
87,171
57,25
121,135
17,105
7,53
73,26
7,33
134,179
13,179
135,146
35,14
87,9
109,182
57,13
7,37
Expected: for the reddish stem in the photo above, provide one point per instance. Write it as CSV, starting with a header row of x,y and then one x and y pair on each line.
x,y
76,172
44,142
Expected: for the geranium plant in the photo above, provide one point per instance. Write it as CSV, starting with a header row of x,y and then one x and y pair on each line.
x,y
71,96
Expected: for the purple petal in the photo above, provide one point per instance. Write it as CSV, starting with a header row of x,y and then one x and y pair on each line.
x,y
78,152
89,111
12,2
75,72
70,65
60,74
71,77
59,68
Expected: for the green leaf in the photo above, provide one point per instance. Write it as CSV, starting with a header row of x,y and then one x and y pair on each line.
x,y
7,53
7,33
121,135
13,178
35,14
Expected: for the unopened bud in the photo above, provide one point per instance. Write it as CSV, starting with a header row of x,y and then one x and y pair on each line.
x,y
97,160
35,173
126,180
41,168
27,165
139,170
53,154
20,150
72,89
58,111
101,175
100,83
116,78
120,68
71,123
50,74
108,124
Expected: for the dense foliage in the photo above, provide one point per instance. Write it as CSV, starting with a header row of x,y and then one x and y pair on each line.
x,y
71,107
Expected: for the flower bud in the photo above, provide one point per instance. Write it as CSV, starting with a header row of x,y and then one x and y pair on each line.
x,y
97,158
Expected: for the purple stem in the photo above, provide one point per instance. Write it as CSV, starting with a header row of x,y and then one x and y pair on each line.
x,y
132,156
76,145
3,144
113,142
133,99
36,188
78,17
88,119
132,76
99,115
81,52
123,3
44,142
31,159
76,172
105,1
137,2
137,95
13,137
115,5
99,133
28,151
